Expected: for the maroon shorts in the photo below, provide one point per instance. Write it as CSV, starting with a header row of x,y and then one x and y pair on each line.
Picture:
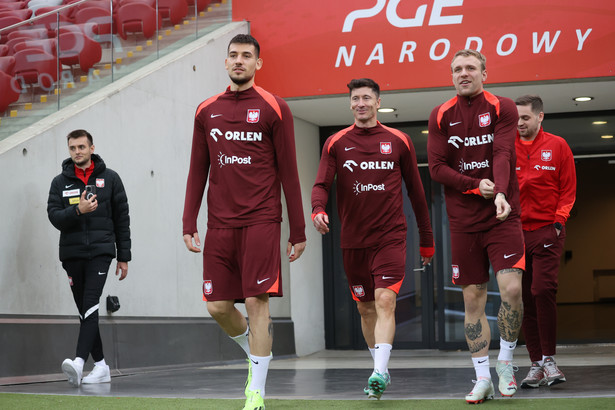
x,y
242,262
381,266
502,245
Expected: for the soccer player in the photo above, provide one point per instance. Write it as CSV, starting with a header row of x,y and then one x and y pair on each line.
x,y
547,183
471,151
88,204
370,161
244,142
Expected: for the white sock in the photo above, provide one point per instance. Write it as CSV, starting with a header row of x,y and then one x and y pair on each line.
x,y
100,363
260,367
372,351
506,350
382,353
242,341
481,366
79,362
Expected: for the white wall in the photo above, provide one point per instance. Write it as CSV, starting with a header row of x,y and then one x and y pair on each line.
x,y
144,133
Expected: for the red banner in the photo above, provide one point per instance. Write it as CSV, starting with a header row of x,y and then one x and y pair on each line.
x,y
315,47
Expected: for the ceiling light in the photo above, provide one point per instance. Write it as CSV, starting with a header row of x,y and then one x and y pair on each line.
x,y
425,132
599,122
583,99
387,109
606,137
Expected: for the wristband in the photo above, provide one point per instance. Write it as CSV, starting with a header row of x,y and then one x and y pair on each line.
x,y
78,210
427,252
318,213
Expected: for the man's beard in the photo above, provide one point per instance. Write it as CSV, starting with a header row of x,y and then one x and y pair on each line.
x,y
241,81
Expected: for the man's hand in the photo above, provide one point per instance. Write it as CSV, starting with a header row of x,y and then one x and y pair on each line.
x,y
123,267
188,241
502,207
87,205
486,188
299,248
321,222
425,260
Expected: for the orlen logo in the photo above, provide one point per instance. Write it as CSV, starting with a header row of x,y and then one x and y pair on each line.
x,y
435,19
236,135
224,159
544,168
468,166
470,141
359,187
369,165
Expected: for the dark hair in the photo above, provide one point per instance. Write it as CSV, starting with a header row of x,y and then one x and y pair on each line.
x,y
364,82
466,52
79,134
245,39
533,100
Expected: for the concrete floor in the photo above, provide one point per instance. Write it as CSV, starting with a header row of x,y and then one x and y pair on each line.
x,y
341,375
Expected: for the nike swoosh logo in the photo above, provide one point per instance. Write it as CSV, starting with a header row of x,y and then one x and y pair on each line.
x,y
509,256
68,186
387,277
254,361
451,124
215,115
348,149
482,361
102,273
258,282
546,245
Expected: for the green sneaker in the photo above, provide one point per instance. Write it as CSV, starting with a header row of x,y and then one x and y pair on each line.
x,y
249,379
254,401
376,385
506,373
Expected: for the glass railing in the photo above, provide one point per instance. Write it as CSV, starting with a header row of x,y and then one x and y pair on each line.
x,y
52,55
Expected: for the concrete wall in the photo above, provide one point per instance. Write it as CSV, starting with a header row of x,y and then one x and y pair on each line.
x,y
142,128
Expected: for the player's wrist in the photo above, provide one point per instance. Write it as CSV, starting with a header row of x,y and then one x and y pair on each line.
x,y
318,213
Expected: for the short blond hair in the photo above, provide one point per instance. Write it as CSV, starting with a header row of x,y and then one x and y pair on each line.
x,y
466,52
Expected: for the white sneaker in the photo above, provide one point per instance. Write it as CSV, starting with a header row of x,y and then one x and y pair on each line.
x,y
72,372
483,390
99,374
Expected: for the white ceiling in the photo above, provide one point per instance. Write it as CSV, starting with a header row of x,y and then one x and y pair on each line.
x,y
416,105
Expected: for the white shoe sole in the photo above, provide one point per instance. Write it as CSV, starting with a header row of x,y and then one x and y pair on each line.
x,y
71,373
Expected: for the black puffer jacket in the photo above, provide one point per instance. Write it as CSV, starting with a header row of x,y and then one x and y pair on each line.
x,y
96,233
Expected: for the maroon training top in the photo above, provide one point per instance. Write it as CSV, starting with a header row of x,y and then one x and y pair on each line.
x,y
370,164
471,139
244,141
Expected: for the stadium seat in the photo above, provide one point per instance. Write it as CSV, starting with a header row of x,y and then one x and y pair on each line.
x,y
102,17
136,18
35,67
4,50
7,65
78,48
32,33
48,45
13,6
23,14
68,12
200,5
173,10
9,93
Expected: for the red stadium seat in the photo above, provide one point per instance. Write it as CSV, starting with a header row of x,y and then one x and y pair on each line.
x,y
102,17
48,45
68,12
200,5
12,6
7,65
174,10
4,50
136,18
27,32
77,48
9,93
36,67
23,14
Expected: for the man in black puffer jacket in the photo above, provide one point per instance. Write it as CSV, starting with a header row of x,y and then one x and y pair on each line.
x,y
88,204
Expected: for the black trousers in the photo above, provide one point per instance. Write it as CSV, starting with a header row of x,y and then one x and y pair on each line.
x,y
87,279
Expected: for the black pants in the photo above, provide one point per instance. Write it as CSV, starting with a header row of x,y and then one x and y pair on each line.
x,y
87,279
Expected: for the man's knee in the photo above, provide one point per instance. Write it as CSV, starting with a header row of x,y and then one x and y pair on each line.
x,y
366,309
220,309
385,300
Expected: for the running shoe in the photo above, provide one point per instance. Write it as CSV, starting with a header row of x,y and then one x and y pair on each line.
x,y
552,373
254,401
535,377
249,379
483,390
72,372
100,374
506,373
376,385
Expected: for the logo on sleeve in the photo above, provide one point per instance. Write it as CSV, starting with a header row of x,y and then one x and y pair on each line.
x,y
455,271
208,287
100,182
484,119
386,148
254,115
546,155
